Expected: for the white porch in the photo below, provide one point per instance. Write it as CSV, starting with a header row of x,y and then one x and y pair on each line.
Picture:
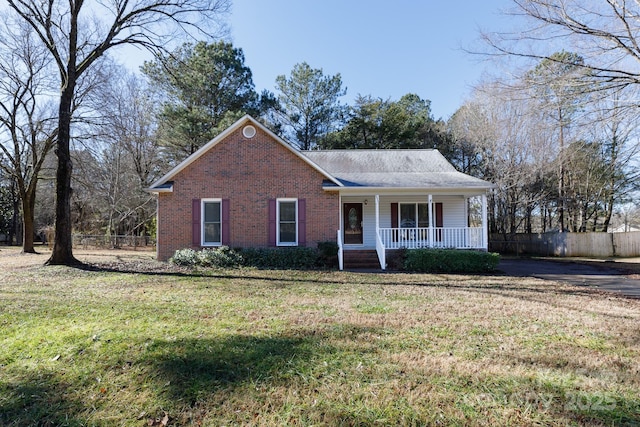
x,y
434,237
440,221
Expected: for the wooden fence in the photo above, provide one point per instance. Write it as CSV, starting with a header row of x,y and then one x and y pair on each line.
x,y
599,245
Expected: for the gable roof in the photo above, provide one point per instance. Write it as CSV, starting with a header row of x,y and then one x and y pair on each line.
x,y
399,169
165,184
394,169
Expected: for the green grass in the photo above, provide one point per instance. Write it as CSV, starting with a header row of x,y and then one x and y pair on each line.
x,y
249,347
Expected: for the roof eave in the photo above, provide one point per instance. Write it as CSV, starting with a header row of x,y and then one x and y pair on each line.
x,y
160,190
458,190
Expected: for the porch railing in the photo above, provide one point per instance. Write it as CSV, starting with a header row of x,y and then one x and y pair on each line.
x,y
437,237
381,251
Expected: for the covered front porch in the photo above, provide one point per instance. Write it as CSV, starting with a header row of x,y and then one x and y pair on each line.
x,y
388,221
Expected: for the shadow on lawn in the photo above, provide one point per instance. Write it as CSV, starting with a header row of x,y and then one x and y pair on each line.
x,y
194,371
193,368
40,399
182,374
203,374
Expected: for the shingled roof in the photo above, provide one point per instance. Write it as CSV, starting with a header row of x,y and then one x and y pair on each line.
x,y
408,169
393,169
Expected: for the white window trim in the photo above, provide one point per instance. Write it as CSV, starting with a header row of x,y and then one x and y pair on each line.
x,y
202,234
278,201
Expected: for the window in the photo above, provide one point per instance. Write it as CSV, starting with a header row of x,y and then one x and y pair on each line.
x,y
287,214
211,222
414,215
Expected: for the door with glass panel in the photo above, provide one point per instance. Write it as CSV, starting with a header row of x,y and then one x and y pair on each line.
x,y
352,228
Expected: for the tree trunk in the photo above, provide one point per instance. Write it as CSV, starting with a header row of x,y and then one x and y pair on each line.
x,y
528,220
608,214
15,215
62,253
493,228
28,215
561,183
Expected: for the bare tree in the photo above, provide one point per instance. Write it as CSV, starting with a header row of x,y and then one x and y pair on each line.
x,y
77,33
604,32
555,85
127,118
510,145
130,155
27,119
627,217
616,131
571,178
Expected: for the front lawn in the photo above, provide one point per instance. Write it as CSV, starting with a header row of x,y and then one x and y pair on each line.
x,y
131,341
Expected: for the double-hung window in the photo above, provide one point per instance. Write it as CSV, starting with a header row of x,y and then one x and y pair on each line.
x,y
211,222
414,215
287,222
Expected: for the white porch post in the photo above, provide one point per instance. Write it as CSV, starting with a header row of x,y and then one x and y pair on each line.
x,y
381,250
431,230
466,211
340,234
485,225
377,214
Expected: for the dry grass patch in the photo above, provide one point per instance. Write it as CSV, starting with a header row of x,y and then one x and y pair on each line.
x,y
127,340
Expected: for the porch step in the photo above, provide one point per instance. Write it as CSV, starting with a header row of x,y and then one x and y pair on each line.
x,y
361,259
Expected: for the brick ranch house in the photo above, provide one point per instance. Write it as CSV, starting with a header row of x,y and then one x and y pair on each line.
x,y
249,188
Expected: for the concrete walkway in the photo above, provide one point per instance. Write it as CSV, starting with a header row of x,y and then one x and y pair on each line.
x,y
605,277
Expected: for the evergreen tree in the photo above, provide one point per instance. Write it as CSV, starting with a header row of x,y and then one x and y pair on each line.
x,y
309,105
204,88
377,124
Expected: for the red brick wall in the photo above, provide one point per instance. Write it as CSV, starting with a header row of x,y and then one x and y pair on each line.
x,y
248,172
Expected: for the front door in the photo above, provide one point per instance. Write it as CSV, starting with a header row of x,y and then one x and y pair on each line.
x,y
352,213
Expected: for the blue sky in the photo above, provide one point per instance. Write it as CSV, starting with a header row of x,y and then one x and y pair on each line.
x,y
380,48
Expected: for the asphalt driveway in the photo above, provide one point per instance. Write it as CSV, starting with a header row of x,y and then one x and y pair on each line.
x,y
605,277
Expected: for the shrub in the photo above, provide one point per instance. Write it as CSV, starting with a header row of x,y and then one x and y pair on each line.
x,y
222,257
187,257
328,254
281,258
450,261
295,258
396,259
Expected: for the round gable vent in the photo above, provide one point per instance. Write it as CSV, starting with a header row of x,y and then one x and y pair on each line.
x,y
249,131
